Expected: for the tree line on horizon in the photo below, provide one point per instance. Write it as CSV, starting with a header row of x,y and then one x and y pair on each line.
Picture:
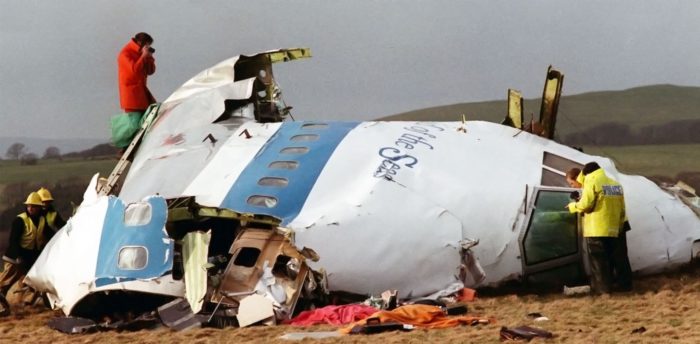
x,y
18,151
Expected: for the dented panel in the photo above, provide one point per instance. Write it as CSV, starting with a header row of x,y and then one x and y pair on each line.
x,y
265,262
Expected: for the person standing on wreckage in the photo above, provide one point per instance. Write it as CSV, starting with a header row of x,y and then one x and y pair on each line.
x,y
136,63
602,201
28,236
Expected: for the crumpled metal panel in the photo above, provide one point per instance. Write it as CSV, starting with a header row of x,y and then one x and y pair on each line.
x,y
83,257
260,263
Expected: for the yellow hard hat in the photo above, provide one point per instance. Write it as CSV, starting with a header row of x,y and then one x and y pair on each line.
x,y
45,194
34,199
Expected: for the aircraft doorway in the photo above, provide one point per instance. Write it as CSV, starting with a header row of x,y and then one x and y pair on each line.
x,y
551,242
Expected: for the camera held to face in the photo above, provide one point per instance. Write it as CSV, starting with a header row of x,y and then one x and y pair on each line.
x,y
151,50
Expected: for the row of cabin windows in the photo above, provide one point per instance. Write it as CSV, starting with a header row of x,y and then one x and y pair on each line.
x,y
269,201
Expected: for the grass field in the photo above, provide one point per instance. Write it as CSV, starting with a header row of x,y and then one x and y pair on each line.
x,y
51,171
664,305
650,160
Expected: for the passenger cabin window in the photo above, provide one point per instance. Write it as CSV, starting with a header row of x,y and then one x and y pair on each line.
x,y
137,214
284,267
314,126
132,258
262,201
304,138
284,165
294,150
247,257
554,169
273,181
552,231
553,178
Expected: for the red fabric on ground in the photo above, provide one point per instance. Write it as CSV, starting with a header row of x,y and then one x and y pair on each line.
x,y
333,315
422,316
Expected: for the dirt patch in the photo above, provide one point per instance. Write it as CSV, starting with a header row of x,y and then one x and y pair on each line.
x,y
665,305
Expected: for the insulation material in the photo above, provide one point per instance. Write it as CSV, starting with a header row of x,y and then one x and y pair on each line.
x,y
195,248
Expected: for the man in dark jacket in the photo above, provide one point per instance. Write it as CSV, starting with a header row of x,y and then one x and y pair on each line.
x,y
28,236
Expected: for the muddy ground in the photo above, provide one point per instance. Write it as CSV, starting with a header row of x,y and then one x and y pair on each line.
x,y
665,305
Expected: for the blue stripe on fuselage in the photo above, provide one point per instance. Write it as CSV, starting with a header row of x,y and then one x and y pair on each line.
x,y
116,235
291,198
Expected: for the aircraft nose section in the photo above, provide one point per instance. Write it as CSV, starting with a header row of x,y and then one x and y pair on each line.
x,y
105,244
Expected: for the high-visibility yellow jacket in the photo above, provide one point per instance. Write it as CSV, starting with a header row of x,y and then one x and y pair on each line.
x,y
603,203
33,237
51,219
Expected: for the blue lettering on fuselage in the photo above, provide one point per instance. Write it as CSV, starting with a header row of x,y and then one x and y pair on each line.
x,y
416,137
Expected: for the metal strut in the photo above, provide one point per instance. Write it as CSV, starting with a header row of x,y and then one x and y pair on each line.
x,y
125,160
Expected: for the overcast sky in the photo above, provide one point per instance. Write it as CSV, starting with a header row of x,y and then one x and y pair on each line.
x,y
370,58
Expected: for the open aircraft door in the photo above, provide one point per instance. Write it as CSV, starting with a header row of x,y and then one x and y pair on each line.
x,y
551,244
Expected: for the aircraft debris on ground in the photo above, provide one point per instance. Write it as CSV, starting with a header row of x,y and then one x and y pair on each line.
x,y
223,212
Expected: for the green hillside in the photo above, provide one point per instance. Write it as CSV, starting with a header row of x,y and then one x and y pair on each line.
x,y
52,171
636,107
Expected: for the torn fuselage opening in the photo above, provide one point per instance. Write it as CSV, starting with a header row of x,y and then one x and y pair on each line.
x,y
247,254
267,96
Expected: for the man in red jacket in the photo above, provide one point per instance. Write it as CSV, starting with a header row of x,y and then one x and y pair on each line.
x,y
136,63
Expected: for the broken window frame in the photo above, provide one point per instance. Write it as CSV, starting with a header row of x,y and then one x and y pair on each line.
x,y
540,267
555,164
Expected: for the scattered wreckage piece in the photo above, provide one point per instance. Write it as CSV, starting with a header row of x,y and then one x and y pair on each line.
x,y
78,325
178,315
523,332
263,262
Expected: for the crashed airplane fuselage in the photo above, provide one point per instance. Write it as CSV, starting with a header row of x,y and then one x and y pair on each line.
x,y
421,207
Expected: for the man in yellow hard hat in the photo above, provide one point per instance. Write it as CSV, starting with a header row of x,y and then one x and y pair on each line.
x,y
53,218
28,235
